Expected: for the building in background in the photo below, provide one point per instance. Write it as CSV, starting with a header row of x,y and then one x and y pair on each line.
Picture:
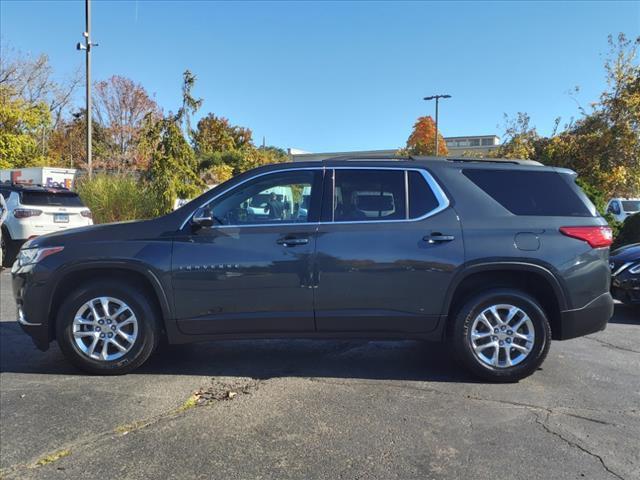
x,y
479,144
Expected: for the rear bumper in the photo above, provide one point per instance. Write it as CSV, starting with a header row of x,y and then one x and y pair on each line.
x,y
591,318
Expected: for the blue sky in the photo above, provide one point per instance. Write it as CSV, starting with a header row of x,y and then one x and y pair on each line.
x,y
341,76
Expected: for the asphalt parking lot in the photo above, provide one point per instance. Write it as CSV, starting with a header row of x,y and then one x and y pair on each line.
x,y
302,409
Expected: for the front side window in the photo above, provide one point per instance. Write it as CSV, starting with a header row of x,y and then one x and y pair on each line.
x,y
614,208
281,197
369,195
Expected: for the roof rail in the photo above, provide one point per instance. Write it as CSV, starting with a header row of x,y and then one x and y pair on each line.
x,y
382,157
370,156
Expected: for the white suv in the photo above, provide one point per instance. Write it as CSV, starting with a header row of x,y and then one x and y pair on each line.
x,y
35,211
621,208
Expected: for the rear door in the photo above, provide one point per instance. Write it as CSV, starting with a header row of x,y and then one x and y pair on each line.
x,y
387,248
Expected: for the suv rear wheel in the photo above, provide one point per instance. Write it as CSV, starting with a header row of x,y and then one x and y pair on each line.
x,y
107,328
501,335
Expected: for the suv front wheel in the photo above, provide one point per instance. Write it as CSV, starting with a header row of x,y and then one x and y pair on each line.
x,y
501,335
107,328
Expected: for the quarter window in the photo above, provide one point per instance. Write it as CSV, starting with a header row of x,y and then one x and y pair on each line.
x,y
283,197
529,192
421,198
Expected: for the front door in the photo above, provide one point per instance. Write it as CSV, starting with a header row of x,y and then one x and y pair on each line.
x,y
252,271
386,251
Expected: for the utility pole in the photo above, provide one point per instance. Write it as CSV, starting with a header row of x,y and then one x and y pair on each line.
x,y
437,98
87,48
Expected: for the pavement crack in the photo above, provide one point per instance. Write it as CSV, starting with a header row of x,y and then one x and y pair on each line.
x,y
611,345
227,389
576,445
523,405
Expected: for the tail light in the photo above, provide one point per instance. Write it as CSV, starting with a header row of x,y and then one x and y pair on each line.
x,y
26,212
596,236
86,213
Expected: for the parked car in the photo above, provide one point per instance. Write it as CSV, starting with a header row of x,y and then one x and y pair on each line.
x,y
35,211
495,257
621,208
625,274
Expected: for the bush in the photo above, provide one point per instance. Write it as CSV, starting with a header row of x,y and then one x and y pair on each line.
x,y
115,198
599,200
629,233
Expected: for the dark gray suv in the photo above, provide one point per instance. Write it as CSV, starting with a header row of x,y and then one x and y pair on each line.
x,y
495,257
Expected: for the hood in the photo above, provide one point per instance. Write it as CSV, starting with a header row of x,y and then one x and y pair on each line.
x,y
628,253
130,230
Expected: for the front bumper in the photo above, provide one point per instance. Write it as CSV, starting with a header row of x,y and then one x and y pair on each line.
x,y
32,297
591,318
626,287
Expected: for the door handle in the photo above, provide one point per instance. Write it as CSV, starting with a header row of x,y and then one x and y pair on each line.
x,y
438,238
292,242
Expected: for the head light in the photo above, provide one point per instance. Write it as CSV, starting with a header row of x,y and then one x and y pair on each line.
x,y
29,256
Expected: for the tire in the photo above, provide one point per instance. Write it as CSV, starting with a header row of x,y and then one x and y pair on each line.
x,y
481,360
10,249
139,321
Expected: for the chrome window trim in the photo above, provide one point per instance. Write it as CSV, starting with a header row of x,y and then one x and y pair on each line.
x,y
294,169
441,197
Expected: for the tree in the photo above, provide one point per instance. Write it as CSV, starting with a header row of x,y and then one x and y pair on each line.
x,y
422,139
121,108
31,79
172,170
216,134
190,104
20,125
521,139
68,146
603,146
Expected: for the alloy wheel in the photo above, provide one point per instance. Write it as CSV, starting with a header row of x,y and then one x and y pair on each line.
x,y
105,328
502,336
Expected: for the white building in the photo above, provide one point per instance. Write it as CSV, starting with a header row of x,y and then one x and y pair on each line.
x,y
456,145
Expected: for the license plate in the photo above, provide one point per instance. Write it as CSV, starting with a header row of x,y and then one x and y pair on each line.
x,y
61,217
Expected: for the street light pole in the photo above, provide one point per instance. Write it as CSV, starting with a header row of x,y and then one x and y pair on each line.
x,y
437,98
87,48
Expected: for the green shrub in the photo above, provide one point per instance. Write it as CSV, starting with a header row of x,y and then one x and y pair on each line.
x,y
599,200
115,198
629,233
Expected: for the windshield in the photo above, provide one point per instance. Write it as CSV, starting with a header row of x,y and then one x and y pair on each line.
x,y
631,205
57,199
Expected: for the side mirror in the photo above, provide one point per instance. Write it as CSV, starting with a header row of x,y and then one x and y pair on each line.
x,y
203,218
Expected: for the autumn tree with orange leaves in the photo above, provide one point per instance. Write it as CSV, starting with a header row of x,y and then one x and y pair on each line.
x,y
422,139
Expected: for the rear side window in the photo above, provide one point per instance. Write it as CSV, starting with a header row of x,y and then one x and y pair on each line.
x,y
369,195
421,198
530,193
53,199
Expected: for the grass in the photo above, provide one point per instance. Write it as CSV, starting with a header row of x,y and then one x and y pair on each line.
x,y
188,404
54,457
